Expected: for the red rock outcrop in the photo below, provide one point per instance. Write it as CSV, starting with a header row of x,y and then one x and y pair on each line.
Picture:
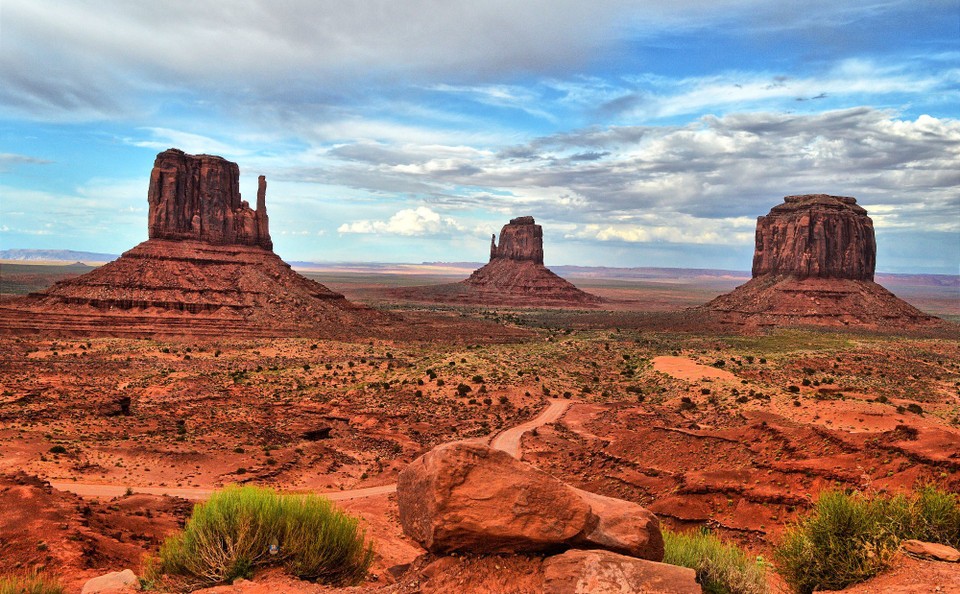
x,y
814,264
208,269
816,236
198,197
468,497
521,239
515,275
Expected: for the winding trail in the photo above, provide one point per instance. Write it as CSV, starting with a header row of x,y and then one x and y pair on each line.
x,y
507,441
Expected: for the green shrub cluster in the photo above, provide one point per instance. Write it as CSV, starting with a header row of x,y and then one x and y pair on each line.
x,y
721,568
32,584
850,537
230,535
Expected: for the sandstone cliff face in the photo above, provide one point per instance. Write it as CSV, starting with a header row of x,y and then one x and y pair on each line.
x,y
816,236
197,197
521,239
813,265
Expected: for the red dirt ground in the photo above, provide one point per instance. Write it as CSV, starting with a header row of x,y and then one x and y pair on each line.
x,y
735,432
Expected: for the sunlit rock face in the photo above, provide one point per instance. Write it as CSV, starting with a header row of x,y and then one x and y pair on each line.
x,y
816,236
198,197
814,265
520,239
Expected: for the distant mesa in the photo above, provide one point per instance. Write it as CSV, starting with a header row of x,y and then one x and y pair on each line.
x,y
208,268
516,271
814,263
515,275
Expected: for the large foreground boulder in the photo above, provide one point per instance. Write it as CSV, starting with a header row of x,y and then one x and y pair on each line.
x,y
468,497
603,572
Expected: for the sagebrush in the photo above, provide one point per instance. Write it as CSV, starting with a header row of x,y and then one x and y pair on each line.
x,y
721,568
850,537
29,584
240,529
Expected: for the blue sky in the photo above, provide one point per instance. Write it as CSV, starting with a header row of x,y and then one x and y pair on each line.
x,y
637,133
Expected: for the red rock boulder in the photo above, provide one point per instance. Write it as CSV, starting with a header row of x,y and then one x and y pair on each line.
x,y
603,572
468,497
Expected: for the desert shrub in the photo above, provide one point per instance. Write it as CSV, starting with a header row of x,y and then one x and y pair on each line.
x,y
721,568
842,541
930,514
230,536
850,537
30,584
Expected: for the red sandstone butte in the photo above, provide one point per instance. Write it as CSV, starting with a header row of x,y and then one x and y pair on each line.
x,y
208,269
817,236
813,264
516,272
198,197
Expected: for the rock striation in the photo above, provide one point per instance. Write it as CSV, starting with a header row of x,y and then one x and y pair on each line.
x,y
198,197
814,264
207,269
816,236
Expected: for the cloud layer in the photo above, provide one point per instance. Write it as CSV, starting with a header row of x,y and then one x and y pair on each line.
x,y
638,129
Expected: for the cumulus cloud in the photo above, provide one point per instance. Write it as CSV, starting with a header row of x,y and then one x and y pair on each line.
x,y
408,222
726,167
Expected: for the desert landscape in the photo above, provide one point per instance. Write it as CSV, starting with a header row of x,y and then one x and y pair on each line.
x,y
137,388
479,297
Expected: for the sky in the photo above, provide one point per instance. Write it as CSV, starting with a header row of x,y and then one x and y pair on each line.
x,y
638,133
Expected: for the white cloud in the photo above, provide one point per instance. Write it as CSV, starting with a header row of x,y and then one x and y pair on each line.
x,y
164,138
408,222
678,229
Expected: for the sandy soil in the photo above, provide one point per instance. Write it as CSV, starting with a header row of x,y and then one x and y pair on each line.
x,y
652,416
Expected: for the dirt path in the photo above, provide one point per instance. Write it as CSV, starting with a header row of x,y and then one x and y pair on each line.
x,y
507,441
688,369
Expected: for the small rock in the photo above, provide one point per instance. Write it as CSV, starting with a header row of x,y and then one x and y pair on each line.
x,y
940,552
115,582
603,572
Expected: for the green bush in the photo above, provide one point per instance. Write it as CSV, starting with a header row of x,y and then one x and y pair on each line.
x,y
850,537
721,568
33,584
230,536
